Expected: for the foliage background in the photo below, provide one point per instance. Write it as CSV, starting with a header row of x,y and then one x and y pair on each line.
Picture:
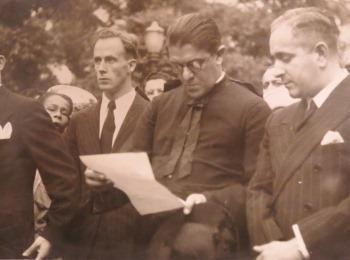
x,y
37,35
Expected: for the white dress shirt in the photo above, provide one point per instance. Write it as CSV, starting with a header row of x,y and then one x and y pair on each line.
x,y
122,106
322,96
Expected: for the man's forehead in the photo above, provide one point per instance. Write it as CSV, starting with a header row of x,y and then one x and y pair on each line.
x,y
344,35
112,44
186,52
280,35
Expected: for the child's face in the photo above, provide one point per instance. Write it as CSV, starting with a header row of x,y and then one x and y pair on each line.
x,y
59,111
154,87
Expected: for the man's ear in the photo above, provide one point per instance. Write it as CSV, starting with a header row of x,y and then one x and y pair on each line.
x,y
220,53
2,62
322,52
132,65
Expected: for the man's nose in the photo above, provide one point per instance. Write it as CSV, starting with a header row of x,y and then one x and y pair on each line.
x,y
280,66
186,74
101,67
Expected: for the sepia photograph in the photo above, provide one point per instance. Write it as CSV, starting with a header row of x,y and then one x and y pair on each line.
x,y
175,129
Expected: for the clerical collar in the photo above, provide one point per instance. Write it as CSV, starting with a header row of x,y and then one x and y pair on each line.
x,y
221,77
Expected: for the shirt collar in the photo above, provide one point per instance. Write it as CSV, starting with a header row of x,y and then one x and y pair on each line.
x,y
322,96
120,101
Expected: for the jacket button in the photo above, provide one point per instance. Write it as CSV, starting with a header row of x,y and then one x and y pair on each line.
x,y
308,206
170,176
317,168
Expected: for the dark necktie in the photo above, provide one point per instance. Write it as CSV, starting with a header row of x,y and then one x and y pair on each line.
x,y
309,110
108,129
186,141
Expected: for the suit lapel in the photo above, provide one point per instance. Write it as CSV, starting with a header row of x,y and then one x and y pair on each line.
x,y
332,113
5,110
91,128
126,128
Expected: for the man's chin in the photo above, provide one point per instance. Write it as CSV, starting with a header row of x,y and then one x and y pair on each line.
x,y
104,87
194,93
294,94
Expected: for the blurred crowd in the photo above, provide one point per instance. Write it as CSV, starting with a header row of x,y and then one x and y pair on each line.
x,y
261,176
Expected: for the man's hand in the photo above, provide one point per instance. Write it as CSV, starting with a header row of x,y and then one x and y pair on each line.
x,y
41,246
97,180
192,200
276,250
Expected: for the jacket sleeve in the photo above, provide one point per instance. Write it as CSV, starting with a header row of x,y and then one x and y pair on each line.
x,y
69,137
143,135
56,167
261,224
234,197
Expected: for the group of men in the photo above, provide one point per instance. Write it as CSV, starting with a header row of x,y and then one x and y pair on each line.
x,y
280,177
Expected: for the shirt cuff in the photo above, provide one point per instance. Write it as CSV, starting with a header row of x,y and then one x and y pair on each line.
x,y
300,241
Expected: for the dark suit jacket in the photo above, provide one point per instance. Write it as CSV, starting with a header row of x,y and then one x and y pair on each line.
x,y
231,128
34,143
82,137
299,181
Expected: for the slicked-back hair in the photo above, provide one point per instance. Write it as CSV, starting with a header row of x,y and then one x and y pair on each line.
x,y
196,29
130,41
317,24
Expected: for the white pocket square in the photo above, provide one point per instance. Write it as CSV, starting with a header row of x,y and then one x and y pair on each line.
x,y
332,137
6,131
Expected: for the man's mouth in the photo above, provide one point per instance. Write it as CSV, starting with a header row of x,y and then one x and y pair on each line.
x,y
103,80
347,67
190,85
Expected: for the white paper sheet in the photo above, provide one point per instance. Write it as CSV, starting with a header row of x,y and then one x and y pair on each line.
x,y
132,173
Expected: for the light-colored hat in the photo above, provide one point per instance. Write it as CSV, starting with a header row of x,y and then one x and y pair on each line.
x,y
81,98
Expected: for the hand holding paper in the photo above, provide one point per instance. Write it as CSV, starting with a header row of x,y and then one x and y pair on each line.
x,y
132,173
97,180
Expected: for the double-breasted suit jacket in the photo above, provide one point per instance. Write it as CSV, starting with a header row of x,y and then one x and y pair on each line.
x,y
299,181
29,142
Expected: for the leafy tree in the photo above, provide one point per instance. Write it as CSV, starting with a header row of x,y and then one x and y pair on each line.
x,y
38,33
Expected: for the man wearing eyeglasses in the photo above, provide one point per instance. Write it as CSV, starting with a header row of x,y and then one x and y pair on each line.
x,y
202,139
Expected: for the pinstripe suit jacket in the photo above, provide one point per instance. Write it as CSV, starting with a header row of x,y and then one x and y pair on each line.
x,y
298,181
82,137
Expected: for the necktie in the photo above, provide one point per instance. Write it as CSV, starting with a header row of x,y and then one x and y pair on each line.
x,y
186,141
184,165
108,129
310,109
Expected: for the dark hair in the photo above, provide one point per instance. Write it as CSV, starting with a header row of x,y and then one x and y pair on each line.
x,y
196,29
316,23
129,40
65,97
